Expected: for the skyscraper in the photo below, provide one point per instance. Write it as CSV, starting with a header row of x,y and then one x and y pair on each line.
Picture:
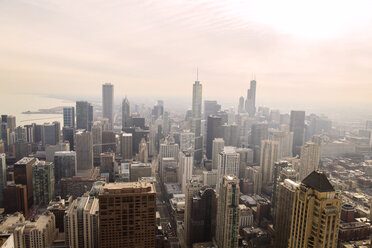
x,y
315,215
23,175
50,133
241,108
211,108
64,165
297,126
69,117
127,215
126,146
227,230
283,212
250,103
196,120
125,113
2,177
217,147
108,103
310,155
269,155
43,182
185,168
228,164
214,130
84,150
84,115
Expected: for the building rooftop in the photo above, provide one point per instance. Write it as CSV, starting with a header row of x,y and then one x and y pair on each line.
x,y
132,187
318,181
25,160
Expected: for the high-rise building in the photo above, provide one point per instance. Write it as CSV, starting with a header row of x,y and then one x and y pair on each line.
x,y
127,215
126,143
43,182
254,175
4,132
2,177
228,164
214,130
138,170
316,213
108,141
310,155
250,103
11,121
64,165
192,186
69,117
97,139
68,134
51,149
246,158
283,212
170,172
230,134
259,132
108,103
168,150
217,147
285,143
187,141
23,175
143,151
81,223
125,113
84,115
211,108
269,155
297,126
50,133
203,215
108,164
196,120
186,161
227,229
18,195
241,108
84,150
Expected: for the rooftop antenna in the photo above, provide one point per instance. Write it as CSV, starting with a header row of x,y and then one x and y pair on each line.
x,y
197,73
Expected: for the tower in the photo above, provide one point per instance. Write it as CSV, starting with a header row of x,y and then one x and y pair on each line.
x,y
84,150
108,103
43,182
84,115
310,155
125,113
228,164
297,126
126,145
69,117
214,130
227,230
269,155
185,167
250,103
217,147
315,215
196,120
2,177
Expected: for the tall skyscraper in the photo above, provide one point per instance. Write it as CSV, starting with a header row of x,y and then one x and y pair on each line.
x,y
214,130
126,146
310,155
187,141
283,212
84,150
43,182
108,103
241,108
196,120
127,215
64,165
217,147
297,126
250,103
97,139
2,177
227,230
269,155
210,108
23,175
84,115
50,133
125,113
68,134
228,164
316,212
186,161
69,117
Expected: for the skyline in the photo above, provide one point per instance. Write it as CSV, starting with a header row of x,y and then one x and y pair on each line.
x,y
79,46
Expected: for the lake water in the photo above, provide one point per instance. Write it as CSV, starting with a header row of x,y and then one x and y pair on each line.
x,y
15,104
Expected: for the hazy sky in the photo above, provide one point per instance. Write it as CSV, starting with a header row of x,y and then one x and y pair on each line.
x,y
303,53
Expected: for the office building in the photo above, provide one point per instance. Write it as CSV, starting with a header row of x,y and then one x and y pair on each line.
x,y
254,175
250,103
283,212
68,134
50,150
316,213
187,141
50,133
192,186
185,168
19,202
269,155
97,139
230,134
309,160
108,164
246,158
138,170
297,126
126,143
69,117
214,130
23,175
196,120
228,163
241,107
84,115
3,181
203,215
84,150
227,229
170,172
43,182
217,147
108,141
64,165
81,223
125,113
210,108
127,215
285,143
143,152
108,103
259,132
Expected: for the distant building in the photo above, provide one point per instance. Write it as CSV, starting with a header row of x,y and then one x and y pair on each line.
x,y
228,164
43,182
84,150
138,170
269,155
108,103
297,126
214,130
69,117
3,180
310,156
125,116
250,103
126,143
217,147
64,165
23,175
84,115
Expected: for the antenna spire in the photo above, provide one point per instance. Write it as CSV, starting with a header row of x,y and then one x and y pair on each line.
x,y
197,73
